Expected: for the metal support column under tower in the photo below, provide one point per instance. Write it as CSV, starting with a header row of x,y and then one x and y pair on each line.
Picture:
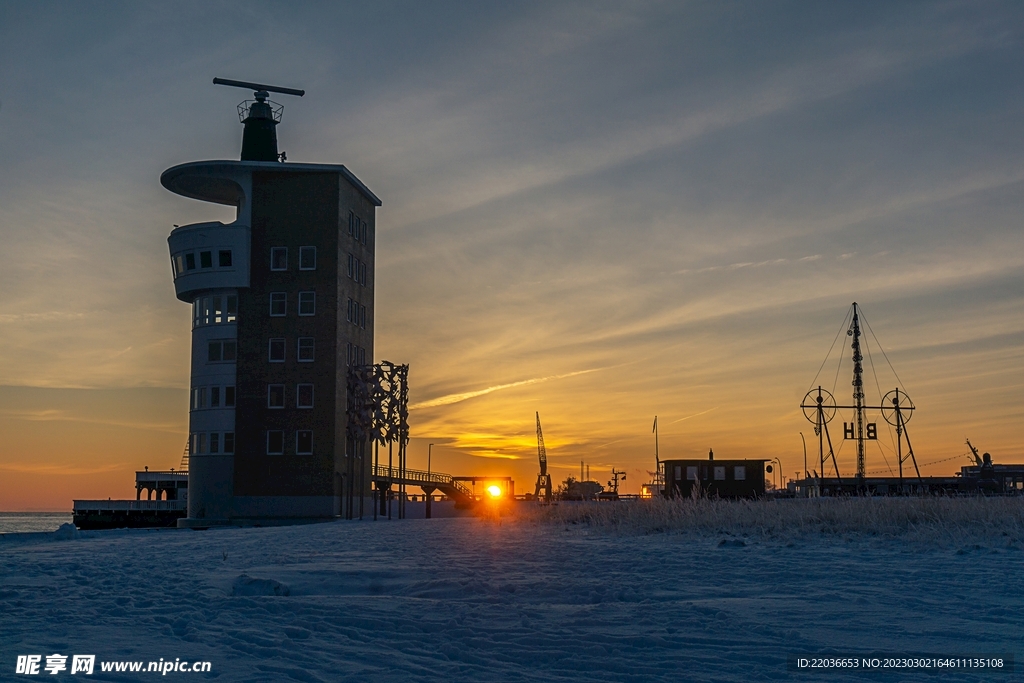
x,y
858,392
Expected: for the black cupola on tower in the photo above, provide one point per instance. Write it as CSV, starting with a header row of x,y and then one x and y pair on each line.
x,y
260,117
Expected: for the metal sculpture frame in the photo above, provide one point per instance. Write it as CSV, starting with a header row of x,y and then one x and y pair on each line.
x,y
378,415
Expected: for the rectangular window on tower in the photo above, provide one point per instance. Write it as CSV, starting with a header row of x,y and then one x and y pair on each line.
x,y
275,442
278,304
279,258
206,259
275,396
304,396
307,303
229,397
304,442
215,442
307,258
229,442
276,350
224,258
222,350
190,261
305,350
215,397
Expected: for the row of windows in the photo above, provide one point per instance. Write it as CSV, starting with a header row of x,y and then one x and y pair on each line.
x,y
279,258
303,442
211,442
739,473
356,313
218,397
303,396
356,228
222,351
186,261
356,270
214,310
303,350
356,355
279,303
202,443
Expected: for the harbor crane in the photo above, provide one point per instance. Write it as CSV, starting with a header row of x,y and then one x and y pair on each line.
x,y
543,479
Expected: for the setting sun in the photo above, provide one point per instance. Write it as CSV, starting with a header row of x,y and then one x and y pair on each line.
x,y
494,490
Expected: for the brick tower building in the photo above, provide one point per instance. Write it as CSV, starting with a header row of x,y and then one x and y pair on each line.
x,y
282,303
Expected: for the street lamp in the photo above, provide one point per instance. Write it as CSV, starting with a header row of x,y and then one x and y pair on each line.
x,y
805,459
782,480
431,446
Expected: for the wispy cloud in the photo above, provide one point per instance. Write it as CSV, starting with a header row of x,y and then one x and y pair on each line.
x,y
51,469
465,396
704,412
54,415
48,316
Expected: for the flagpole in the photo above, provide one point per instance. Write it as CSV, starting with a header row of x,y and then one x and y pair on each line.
x,y
657,457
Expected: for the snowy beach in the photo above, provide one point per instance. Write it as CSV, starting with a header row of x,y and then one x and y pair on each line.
x,y
511,600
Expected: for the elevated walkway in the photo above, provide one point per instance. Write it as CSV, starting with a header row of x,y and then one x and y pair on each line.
x,y
385,477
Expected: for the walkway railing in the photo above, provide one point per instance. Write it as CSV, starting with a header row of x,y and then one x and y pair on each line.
x,y
420,477
126,505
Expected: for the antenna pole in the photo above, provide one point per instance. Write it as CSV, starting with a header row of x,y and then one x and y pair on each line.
x,y
657,458
858,392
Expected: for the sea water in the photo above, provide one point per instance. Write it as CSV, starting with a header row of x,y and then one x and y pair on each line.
x,y
22,522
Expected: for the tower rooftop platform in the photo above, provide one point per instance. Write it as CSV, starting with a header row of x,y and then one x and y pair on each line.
x,y
217,181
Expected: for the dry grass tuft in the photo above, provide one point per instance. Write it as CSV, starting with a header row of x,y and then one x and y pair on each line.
x,y
955,519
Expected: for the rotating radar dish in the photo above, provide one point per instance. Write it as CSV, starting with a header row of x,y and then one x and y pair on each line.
x,y
897,403
815,399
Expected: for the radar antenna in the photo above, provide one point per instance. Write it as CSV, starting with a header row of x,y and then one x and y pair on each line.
x,y
259,88
260,117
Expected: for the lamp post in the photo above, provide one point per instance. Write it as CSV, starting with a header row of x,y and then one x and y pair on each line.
x,y
805,459
431,446
782,479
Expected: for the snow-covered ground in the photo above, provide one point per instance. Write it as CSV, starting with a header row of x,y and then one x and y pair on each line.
x,y
477,600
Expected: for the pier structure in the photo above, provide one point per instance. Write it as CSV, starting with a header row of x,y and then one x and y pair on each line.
x,y
282,303
161,485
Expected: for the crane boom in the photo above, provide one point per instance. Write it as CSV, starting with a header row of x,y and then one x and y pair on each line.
x,y
974,452
543,479
542,453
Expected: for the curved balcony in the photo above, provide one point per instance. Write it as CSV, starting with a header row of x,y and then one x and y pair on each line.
x,y
209,256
